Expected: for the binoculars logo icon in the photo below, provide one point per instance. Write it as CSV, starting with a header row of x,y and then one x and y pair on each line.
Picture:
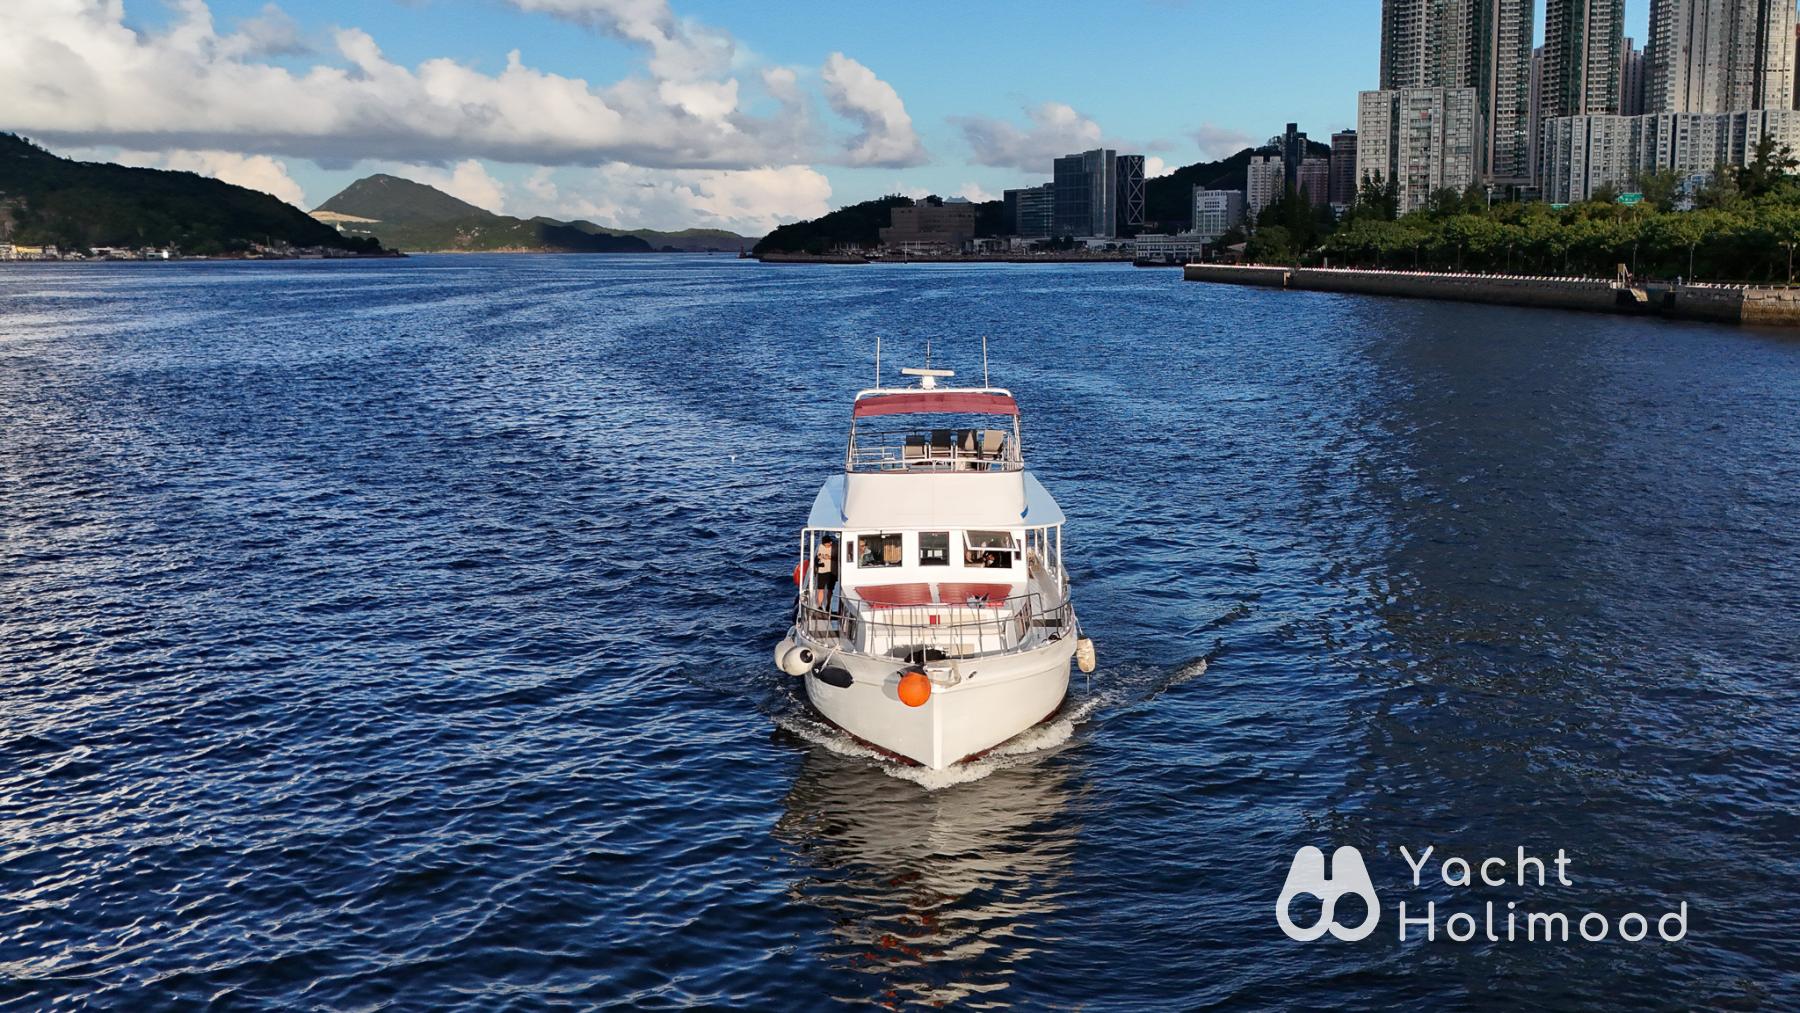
x,y
1307,876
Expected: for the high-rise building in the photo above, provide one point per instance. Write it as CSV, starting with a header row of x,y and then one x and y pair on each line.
x,y
1343,168
1314,180
1536,105
1713,56
1217,212
1264,184
1480,44
1087,194
1031,211
1502,81
1585,153
1130,201
1421,139
1293,152
1582,41
1631,79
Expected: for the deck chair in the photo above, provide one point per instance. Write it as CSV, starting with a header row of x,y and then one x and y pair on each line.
x,y
993,441
913,451
941,443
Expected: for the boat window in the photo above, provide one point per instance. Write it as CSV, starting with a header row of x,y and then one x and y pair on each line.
x,y
934,548
989,549
877,550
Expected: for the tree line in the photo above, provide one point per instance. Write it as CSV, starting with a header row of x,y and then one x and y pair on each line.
x,y
1743,225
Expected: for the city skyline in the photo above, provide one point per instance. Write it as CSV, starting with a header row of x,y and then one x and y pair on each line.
x,y
634,113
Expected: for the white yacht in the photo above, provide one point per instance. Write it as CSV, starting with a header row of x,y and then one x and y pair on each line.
x,y
933,620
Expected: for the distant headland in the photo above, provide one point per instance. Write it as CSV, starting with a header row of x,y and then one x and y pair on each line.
x,y
54,208
406,215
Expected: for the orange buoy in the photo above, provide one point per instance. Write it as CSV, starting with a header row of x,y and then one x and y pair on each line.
x,y
915,689
799,572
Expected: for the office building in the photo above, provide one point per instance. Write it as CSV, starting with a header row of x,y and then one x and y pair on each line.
x,y
1314,179
1715,56
1031,211
1217,212
1264,184
1130,203
930,226
1086,191
1631,79
1343,168
1421,139
1585,153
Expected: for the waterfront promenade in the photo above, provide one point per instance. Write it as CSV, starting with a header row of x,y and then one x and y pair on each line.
x,y
1740,304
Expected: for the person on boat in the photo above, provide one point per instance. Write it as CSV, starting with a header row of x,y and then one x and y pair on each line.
x,y
825,575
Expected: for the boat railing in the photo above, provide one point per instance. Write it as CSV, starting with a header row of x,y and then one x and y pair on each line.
x,y
935,450
920,633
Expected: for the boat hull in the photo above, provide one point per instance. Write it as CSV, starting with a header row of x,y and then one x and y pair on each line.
x,y
993,699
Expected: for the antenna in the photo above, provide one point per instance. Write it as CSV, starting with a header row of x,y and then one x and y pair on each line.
x,y
927,353
878,362
984,375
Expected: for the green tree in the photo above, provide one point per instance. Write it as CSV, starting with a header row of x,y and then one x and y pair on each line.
x,y
1768,170
1272,244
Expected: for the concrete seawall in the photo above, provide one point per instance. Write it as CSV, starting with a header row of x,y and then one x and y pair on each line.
x,y
1721,303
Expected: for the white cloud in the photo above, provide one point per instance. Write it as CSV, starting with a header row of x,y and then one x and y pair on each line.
x,y
680,49
855,93
975,192
257,172
1154,167
746,201
540,186
1216,142
1056,129
73,72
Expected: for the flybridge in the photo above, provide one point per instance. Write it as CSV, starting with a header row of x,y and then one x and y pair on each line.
x,y
926,402
953,445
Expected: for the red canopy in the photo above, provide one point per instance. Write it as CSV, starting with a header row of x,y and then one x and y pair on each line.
x,y
927,401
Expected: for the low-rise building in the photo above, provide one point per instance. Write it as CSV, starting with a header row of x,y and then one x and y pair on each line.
x,y
1217,212
1179,248
926,226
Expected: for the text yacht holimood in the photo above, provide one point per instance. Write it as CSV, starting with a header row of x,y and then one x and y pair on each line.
x,y
933,619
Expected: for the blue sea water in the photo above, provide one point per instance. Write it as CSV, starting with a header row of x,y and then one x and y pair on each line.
x,y
397,635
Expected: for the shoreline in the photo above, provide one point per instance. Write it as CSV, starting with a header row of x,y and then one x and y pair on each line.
x,y
1776,306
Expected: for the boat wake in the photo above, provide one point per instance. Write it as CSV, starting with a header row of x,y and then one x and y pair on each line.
x,y
1116,692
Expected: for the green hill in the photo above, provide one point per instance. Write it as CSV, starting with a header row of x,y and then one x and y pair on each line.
x,y
397,201
407,215
80,205
856,225
684,240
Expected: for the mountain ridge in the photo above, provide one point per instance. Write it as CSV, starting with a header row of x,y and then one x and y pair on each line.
x,y
410,215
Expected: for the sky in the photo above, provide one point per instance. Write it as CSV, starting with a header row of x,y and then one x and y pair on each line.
x,y
735,114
